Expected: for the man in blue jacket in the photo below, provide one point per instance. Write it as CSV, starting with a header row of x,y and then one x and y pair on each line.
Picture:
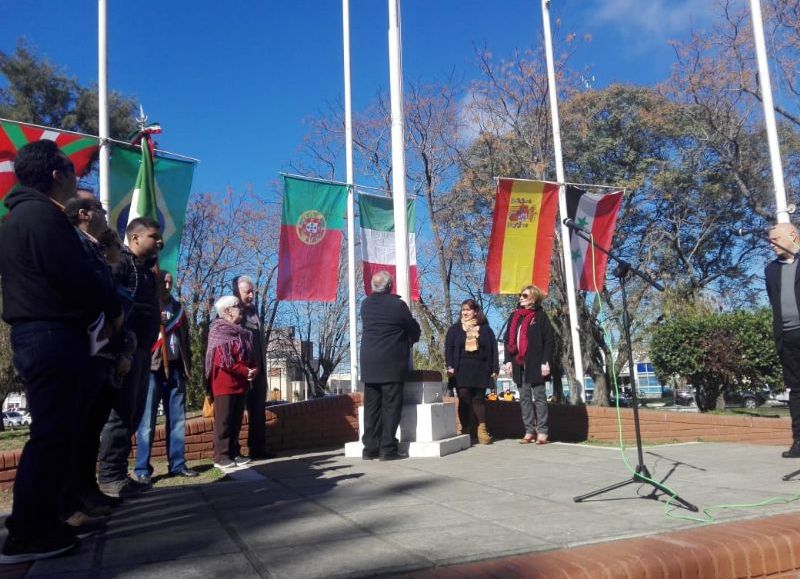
x,y
388,331
51,293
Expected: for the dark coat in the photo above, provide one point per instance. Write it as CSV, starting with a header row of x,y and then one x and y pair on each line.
x,y
136,277
184,346
456,340
772,274
47,275
387,332
540,349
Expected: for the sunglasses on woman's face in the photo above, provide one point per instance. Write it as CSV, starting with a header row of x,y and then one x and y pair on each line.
x,y
526,296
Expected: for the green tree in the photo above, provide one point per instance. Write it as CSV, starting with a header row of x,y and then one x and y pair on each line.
x,y
716,351
41,93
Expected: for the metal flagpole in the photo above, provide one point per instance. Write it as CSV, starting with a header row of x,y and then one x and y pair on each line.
x,y
401,282
782,213
562,204
351,213
102,100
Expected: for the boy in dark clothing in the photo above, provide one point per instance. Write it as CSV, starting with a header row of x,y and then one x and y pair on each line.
x,y
51,292
133,273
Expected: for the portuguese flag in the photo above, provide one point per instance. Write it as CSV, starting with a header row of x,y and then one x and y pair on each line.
x,y
376,217
596,213
81,149
311,239
521,244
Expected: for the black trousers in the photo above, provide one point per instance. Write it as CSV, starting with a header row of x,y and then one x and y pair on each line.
x,y
228,411
126,414
256,406
383,404
790,362
51,358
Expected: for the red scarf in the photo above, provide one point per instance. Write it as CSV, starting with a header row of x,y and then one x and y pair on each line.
x,y
522,319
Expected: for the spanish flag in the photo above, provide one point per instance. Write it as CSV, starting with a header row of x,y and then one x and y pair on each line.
x,y
522,236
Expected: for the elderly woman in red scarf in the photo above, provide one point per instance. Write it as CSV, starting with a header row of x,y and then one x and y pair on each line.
x,y
228,368
529,349
471,356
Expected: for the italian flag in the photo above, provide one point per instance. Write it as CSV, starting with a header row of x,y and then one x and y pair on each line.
x,y
521,244
376,217
311,239
80,149
596,213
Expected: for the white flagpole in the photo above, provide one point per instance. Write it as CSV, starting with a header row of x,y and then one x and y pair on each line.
x,y
562,205
351,214
102,100
782,213
401,282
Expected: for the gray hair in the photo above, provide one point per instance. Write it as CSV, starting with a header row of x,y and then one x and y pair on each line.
x,y
244,279
225,302
381,282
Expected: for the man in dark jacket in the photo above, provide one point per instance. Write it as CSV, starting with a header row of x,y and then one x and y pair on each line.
x,y
51,293
388,331
167,385
783,288
134,274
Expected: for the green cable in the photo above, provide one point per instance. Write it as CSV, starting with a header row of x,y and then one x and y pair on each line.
x,y
707,516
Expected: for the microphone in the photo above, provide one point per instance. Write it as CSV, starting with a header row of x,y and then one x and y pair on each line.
x,y
741,232
569,222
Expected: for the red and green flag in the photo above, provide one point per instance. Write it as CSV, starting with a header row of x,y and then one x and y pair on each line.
x,y
597,214
81,149
311,239
521,244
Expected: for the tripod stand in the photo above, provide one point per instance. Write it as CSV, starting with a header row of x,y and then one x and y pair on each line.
x,y
641,474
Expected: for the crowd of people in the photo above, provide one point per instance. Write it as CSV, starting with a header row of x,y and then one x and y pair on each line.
x,y
99,343
97,334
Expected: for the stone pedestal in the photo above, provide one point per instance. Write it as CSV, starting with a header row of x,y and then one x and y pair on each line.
x,y
427,425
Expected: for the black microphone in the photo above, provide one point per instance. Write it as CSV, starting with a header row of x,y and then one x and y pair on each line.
x,y
571,223
741,232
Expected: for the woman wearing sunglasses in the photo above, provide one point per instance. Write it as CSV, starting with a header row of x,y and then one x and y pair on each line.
x,y
528,351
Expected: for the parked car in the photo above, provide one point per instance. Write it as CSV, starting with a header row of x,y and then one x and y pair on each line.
x,y
26,417
12,419
684,397
744,398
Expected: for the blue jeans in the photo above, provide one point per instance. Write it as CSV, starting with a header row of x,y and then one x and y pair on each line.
x,y
173,392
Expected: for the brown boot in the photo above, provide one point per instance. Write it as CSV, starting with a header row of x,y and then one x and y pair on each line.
x,y
483,435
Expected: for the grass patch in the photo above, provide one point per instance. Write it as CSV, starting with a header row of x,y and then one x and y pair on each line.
x,y
14,439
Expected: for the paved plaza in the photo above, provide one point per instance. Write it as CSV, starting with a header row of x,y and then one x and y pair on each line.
x,y
320,514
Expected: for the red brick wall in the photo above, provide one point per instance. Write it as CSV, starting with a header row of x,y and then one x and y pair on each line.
x,y
332,421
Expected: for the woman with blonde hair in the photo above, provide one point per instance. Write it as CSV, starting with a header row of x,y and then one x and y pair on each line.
x,y
528,351
471,358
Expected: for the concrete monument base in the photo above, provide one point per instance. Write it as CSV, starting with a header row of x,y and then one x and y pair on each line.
x,y
427,425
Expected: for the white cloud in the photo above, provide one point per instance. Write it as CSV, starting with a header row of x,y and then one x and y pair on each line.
x,y
650,21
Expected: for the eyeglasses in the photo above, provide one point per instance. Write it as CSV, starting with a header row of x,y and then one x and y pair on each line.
x,y
524,295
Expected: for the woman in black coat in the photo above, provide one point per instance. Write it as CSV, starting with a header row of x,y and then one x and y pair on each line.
x,y
471,358
528,351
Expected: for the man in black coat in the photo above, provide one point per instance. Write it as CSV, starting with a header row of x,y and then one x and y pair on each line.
x,y
51,293
783,288
388,331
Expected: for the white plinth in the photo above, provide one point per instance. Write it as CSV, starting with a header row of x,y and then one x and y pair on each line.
x,y
426,430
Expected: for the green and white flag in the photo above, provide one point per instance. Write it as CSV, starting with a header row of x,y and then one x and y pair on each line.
x,y
172,183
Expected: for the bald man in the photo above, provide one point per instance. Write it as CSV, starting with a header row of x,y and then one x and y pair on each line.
x,y
783,288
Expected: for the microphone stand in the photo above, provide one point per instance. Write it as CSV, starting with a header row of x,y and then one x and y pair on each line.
x,y
641,474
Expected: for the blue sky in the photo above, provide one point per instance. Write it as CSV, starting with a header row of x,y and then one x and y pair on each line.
x,y
232,82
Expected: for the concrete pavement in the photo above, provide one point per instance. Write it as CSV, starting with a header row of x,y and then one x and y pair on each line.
x,y
322,515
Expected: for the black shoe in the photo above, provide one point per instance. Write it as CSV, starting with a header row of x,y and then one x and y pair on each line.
x,y
57,543
185,472
369,454
393,456
793,452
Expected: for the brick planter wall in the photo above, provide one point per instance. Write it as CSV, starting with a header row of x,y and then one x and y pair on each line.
x,y
332,421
